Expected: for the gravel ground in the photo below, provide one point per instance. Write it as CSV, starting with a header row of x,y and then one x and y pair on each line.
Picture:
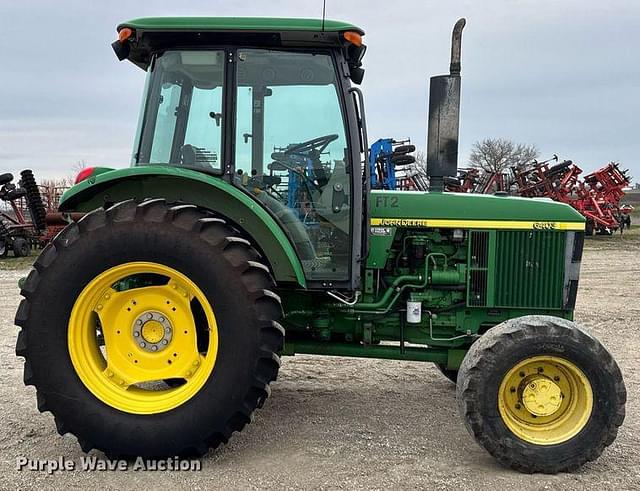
x,y
343,423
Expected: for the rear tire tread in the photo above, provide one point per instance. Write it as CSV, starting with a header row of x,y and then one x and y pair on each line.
x,y
257,279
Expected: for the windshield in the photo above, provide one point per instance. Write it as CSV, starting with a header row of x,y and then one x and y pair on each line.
x,y
182,122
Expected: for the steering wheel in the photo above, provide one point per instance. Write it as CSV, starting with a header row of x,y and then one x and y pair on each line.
x,y
318,144
314,147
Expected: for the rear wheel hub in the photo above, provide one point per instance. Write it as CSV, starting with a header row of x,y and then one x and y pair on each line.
x,y
152,331
138,322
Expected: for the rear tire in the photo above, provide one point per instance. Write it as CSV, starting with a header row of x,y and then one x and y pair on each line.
x,y
4,239
563,438
589,229
21,247
228,272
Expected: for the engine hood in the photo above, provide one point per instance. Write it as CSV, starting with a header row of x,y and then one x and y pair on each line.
x,y
456,210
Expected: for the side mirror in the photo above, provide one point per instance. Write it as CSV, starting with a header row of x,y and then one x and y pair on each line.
x,y
121,50
356,75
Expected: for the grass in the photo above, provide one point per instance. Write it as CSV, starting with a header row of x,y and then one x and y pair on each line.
x,y
630,239
13,263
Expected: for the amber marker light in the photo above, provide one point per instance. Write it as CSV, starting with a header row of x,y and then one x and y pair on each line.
x,y
124,34
353,37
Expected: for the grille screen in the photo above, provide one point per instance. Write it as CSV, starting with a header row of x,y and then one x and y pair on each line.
x,y
529,269
516,269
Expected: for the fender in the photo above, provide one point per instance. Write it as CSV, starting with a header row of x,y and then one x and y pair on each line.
x,y
105,187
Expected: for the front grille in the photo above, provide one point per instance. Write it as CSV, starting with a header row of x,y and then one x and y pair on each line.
x,y
529,269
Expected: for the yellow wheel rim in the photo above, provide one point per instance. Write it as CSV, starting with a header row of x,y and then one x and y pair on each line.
x,y
545,400
145,313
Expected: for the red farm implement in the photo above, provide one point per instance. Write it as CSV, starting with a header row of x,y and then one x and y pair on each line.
x,y
474,180
27,214
597,196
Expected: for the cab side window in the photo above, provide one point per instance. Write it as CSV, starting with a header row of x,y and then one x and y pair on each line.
x,y
291,153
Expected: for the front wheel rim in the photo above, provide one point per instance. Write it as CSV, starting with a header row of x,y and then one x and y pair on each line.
x,y
545,400
145,313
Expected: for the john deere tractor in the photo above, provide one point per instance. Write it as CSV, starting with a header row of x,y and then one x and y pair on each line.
x,y
246,229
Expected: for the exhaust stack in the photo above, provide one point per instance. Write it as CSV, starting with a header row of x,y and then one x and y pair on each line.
x,y
444,117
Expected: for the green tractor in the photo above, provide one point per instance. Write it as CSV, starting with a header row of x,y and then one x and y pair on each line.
x,y
246,229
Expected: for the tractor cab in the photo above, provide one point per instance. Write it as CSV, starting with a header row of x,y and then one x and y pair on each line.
x,y
271,112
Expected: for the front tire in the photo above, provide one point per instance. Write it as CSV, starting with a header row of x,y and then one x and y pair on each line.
x,y
195,278
541,395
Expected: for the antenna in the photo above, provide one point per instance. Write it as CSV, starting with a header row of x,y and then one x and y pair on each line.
x,y
324,9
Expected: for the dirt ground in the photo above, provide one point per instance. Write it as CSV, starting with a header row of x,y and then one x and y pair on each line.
x,y
344,423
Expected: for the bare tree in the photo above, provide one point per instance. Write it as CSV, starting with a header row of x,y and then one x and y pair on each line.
x,y
421,160
75,170
51,191
499,154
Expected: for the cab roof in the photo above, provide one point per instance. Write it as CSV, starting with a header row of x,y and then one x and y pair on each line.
x,y
226,24
140,39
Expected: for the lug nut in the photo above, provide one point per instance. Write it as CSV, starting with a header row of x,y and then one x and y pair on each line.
x,y
143,344
154,348
136,333
149,316
164,341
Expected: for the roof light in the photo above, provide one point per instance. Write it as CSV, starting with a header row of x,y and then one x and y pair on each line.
x,y
84,174
124,34
353,37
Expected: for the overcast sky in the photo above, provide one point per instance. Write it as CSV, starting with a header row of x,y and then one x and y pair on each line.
x,y
562,74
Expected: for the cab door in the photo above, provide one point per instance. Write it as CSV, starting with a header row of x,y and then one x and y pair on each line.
x,y
293,153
